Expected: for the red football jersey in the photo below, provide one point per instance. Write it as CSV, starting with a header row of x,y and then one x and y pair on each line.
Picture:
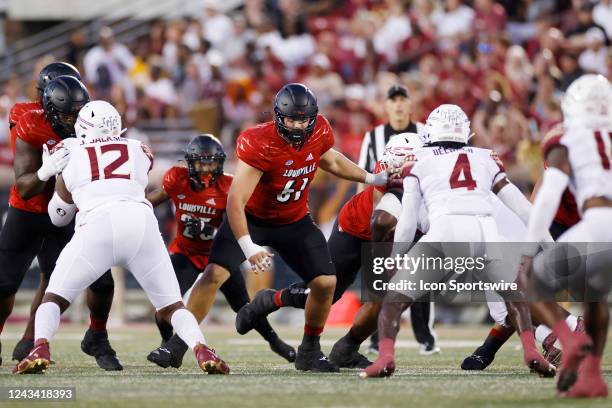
x,y
33,128
281,196
208,205
567,213
354,217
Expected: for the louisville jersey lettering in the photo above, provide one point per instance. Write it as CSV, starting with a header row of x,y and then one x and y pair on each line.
x,y
33,128
281,195
106,170
456,181
589,154
207,205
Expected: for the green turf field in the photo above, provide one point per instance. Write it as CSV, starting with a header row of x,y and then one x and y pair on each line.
x,y
261,379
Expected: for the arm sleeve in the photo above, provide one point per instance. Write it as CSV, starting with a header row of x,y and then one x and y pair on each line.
x,y
252,153
496,167
60,212
407,222
546,203
512,197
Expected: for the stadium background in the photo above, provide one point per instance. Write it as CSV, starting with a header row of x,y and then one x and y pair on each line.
x,y
174,68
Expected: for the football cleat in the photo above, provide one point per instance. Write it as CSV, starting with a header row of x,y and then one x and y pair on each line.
x,y
579,346
384,366
478,361
429,349
22,349
96,344
313,359
346,355
590,383
551,353
261,306
209,361
37,361
283,349
169,354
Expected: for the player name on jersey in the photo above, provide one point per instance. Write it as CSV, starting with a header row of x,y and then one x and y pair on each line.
x,y
202,209
300,172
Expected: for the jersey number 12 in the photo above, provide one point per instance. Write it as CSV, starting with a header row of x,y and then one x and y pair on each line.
x,y
109,169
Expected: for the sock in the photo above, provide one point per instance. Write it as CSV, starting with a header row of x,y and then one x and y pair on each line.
x,y
187,328
98,325
46,321
265,330
542,333
386,347
311,335
572,322
165,328
528,341
293,296
563,332
495,340
592,365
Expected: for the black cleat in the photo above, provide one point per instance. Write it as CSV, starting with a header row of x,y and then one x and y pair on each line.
x,y
96,344
283,349
314,360
261,306
346,355
22,349
478,361
169,354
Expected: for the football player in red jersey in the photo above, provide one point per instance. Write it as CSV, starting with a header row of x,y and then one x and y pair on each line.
x,y
268,205
28,231
360,221
199,193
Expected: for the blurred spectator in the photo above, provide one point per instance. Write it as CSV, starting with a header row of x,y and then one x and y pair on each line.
x,y
217,27
602,15
584,14
78,47
454,21
570,69
519,71
593,59
395,30
326,84
490,17
107,63
163,99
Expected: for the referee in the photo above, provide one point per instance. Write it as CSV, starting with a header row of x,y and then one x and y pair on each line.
x,y
397,107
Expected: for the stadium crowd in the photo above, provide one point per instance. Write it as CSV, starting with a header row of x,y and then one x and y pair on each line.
x,y
505,63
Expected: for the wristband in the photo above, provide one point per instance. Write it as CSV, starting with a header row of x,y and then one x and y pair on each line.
x,y
249,248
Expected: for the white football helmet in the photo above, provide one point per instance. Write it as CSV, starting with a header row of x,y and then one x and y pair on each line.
x,y
447,123
398,148
98,119
588,98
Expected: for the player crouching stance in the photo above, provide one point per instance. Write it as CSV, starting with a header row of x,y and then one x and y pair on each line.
x,y
105,179
579,158
453,181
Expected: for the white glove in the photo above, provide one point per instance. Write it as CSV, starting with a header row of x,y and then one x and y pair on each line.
x,y
53,164
259,258
378,179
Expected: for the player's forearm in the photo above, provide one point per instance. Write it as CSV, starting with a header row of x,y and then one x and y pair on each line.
x,y
29,185
546,203
342,167
512,197
237,217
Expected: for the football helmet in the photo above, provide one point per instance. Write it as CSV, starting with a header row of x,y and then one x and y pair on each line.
x,y
63,98
206,149
98,119
52,71
398,148
447,123
297,102
588,98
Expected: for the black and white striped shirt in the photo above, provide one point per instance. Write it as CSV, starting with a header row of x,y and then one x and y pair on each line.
x,y
374,141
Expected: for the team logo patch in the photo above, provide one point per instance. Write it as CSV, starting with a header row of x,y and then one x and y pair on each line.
x,y
180,196
51,142
61,212
309,157
211,201
288,162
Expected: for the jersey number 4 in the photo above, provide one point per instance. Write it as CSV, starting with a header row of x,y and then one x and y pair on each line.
x,y
601,149
285,195
462,174
109,170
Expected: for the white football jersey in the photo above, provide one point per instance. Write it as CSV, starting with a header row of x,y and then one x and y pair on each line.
x,y
456,181
590,157
107,170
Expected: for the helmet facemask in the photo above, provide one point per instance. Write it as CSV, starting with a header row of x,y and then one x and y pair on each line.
x,y
207,174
